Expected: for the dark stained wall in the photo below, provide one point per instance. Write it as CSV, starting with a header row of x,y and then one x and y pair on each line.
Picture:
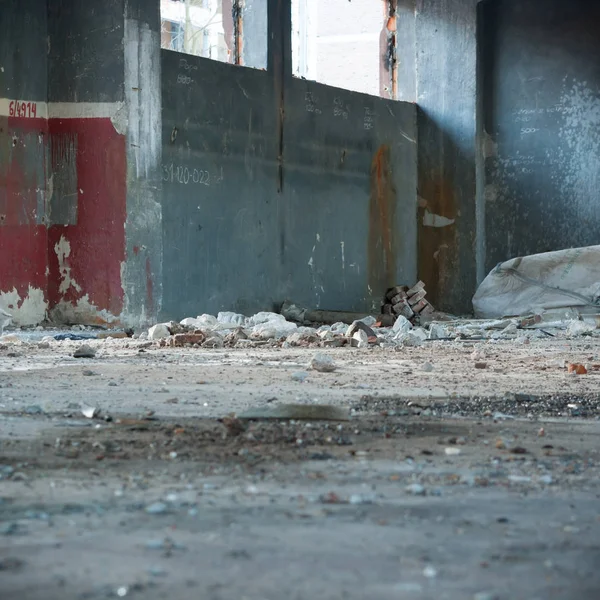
x,y
541,117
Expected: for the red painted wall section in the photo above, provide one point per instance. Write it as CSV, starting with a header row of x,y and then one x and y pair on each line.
x,y
23,234
85,259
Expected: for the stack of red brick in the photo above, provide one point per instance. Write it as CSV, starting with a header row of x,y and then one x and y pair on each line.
x,y
410,303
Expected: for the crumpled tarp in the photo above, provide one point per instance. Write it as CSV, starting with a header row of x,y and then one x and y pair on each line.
x,y
531,284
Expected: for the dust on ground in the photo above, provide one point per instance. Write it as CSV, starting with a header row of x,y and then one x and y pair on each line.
x,y
466,470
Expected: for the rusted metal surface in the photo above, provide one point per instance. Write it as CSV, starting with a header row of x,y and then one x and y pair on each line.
x,y
388,69
437,245
238,31
382,217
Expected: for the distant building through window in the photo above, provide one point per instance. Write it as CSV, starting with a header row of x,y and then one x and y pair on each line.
x,y
344,44
214,29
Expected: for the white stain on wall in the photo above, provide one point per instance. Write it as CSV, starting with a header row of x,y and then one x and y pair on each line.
x,y
581,133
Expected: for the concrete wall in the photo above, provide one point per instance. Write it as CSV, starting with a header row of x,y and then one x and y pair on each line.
x,y
66,176
255,188
277,188
437,69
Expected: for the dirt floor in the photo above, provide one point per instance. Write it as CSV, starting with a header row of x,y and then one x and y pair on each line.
x,y
467,470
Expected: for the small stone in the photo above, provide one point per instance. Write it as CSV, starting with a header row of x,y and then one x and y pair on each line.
x,y
481,365
89,412
84,351
157,508
34,409
323,363
541,432
452,451
430,572
546,479
357,499
415,489
87,373
112,384
428,367
122,591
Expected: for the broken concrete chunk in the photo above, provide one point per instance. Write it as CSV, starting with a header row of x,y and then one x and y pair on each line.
x,y
300,412
438,332
402,325
415,289
231,318
214,341
323,363
159,332
90,412
413,338
183,339
360,339
273,329
84,352
359,326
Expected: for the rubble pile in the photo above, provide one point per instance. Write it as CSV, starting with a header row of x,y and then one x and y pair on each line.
x,y
408,303
232,330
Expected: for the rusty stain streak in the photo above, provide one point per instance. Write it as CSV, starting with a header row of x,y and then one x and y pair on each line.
x,y
436,259
236,13
382,213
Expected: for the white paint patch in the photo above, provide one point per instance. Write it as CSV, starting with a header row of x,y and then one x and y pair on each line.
x,y
63,251
432,220
30,310
115,111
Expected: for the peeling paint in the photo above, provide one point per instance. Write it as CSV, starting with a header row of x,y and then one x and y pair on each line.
x,y
433,220
30,310
63,251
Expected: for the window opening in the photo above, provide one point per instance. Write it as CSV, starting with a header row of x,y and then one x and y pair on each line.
x,y
231,31
350,45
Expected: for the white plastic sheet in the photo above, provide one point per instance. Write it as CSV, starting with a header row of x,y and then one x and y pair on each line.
x,y
532,284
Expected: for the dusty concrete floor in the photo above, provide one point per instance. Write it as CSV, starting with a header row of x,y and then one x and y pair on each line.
x,y
440,486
